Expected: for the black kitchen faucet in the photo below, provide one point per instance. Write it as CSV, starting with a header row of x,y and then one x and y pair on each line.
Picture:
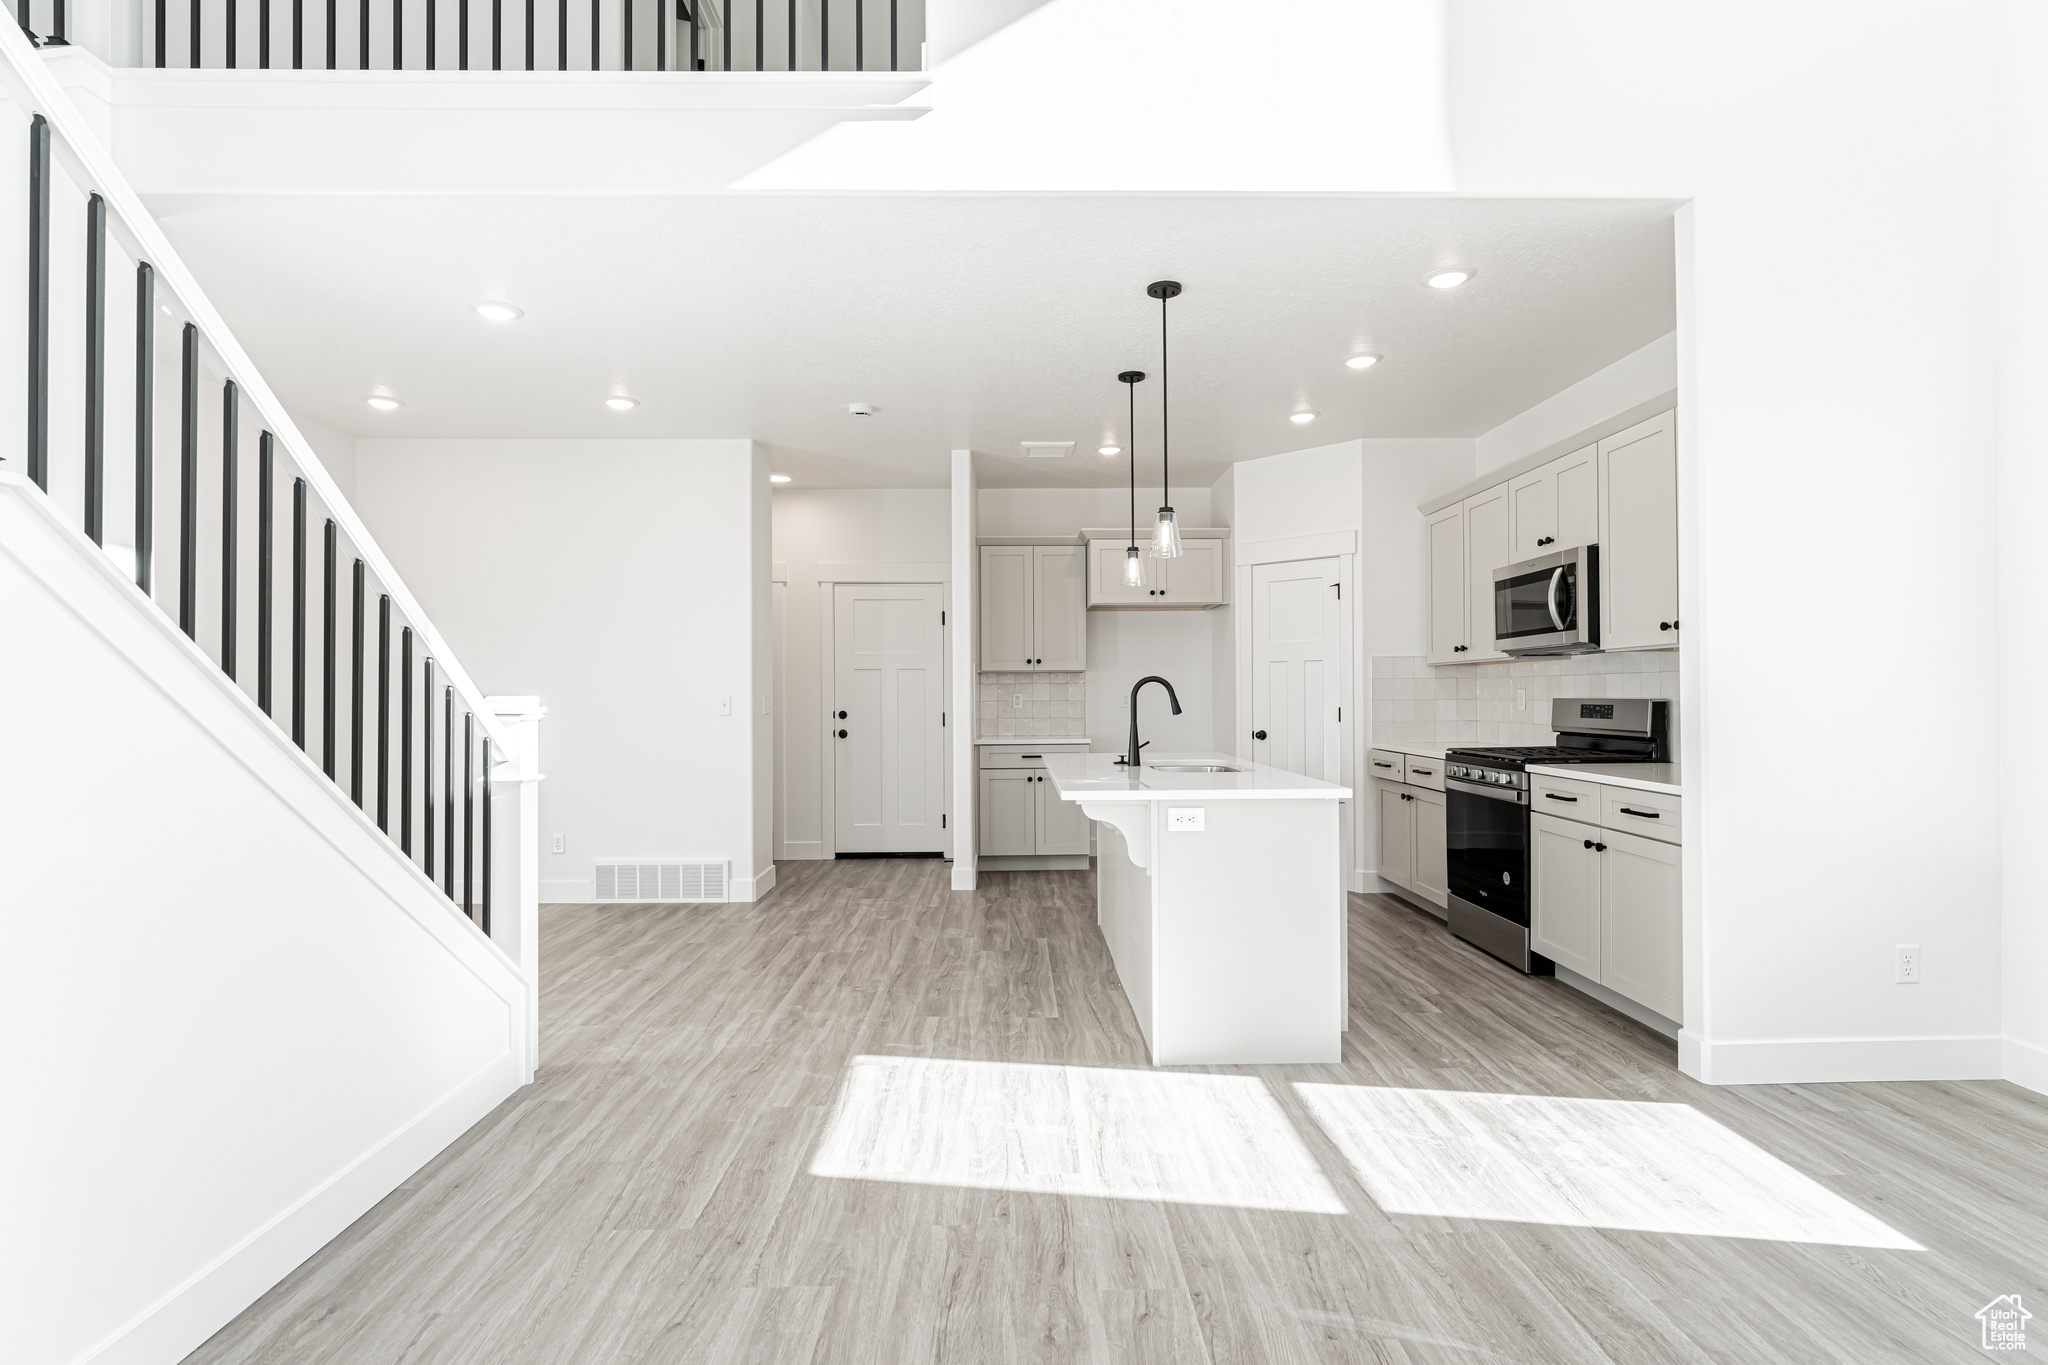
x,y
1131,754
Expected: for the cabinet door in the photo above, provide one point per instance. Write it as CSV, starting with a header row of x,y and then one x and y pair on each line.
x,y
1196,578
1397,835
1532,513
1486,549
1576,479
1639,922
1106,576
1444,535
1432,867
1005,608
1059,608
1009,812
1062,828
1639,535
1564,911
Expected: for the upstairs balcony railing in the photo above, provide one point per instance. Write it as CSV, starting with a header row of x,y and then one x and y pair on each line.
x,y
513,35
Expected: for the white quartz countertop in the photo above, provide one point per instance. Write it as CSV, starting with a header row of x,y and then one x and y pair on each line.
x,y
1045,740
1099,777
1417,750
1642,777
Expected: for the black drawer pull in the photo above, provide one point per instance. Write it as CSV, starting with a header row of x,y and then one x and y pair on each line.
x,y
1553,796
1646,814
1377,764
1424,771
1031,755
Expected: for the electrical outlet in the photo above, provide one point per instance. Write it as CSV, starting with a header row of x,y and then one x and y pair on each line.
x,y
1185,819
1906,964
1017,701
767,703
1521,699
725,705
559,843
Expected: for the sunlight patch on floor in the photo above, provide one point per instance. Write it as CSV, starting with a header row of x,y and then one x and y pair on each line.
x,y
1580,1163
1073,1130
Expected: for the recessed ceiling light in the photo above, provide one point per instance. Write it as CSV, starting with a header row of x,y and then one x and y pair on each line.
x,y
1364,361
1301,419
382,402
618,402
1110,450
778,478
499,312
1450,277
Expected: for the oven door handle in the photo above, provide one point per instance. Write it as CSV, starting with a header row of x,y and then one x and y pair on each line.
x,y
1556,577
1513,795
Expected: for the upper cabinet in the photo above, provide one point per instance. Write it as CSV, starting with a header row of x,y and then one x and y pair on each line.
x,y
1556,507
1033,608
1195,580
1621,494
1639,535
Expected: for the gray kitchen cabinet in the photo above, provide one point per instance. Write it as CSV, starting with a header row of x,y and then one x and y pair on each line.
x,y
1639,535
1196,579
1605,903
1412,836
1034,608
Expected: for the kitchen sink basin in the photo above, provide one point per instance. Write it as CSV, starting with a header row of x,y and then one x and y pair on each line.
x,y
1192,768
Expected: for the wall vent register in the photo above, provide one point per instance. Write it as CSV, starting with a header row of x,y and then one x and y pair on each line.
x,y
662,881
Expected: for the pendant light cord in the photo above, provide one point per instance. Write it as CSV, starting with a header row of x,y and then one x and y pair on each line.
x,y
1165,428
1131,387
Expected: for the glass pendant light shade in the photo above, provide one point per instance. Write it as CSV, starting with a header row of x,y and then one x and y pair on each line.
x,y
1166,536
1134,568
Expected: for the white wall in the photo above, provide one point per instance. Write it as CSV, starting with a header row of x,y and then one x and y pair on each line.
x,y
832,526
1638,377
1397,476
626,583
1063,511
2022,492
336,449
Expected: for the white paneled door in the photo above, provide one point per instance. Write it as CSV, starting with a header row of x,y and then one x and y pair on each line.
x,y
1297,654
888,698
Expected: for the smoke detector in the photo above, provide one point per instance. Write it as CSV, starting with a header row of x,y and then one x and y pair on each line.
x,y
861,409
1047,450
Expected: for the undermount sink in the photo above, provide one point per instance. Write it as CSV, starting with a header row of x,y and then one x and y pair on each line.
x,y
1192,768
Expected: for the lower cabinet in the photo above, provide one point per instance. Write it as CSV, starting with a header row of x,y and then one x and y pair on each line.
x,y
1412,840
1062,827
1605,903
1021,814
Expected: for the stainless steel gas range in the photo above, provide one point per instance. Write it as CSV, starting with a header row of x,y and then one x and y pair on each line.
x,y
1486,806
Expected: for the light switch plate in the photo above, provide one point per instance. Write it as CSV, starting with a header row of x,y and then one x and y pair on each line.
x,y
1185,819
725,706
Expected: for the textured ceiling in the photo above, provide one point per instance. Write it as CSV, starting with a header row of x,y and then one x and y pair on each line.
x,y
966,321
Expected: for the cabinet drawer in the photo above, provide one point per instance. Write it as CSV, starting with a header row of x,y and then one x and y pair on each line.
x,y
1386,765
1650,814
1024,755
1565,797
1425,772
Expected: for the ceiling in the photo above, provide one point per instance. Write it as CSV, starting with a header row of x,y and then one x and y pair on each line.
x,y
976,322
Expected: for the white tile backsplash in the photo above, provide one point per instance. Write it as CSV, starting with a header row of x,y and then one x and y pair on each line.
x,y
1413,703
1032,706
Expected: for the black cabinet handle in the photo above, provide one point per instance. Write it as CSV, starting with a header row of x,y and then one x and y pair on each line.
x,y
1663,625
1601,847
1261,734
1553,796
842,734
1424,771
1645,814
1406,797
1031,755
1375,763
1589,843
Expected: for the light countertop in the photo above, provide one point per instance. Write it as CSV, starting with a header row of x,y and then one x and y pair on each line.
x,y
1099,777
1642,777
1417,750
1047,740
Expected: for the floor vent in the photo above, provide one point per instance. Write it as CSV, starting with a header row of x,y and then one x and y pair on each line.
x,y
652,881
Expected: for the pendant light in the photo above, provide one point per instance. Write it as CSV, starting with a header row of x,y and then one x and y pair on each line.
x,y
1134,566
1165,535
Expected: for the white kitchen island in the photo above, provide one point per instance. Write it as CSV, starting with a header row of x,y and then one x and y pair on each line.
x,y
1221,896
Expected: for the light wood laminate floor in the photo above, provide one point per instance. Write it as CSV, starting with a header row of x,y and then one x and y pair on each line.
x,y
871,1119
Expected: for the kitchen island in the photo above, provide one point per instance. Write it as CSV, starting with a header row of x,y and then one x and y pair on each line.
x,y
1219,887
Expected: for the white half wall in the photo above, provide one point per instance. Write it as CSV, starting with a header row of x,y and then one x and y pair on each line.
x,y
626,583
965,618
241,1017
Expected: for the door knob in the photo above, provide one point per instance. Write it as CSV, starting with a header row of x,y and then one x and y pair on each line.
x,y
842,734
1258,734
842,715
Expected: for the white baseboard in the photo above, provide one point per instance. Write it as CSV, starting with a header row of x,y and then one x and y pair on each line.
x,y
567,891
175,1325
1037,862
1796,1061
963,875
1619,1003
754,887
803,850
2026,1065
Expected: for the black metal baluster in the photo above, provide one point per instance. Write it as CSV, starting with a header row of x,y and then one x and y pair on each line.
x,y
405,741
231,34
329,644
362,35
266,518
792,35
448,790
355,687
230,522
398,35
299,613
760,36
661,35
263,35
860,33
595,63
188,485
59,25
725,51
462,36
427,769
486,798
561,35
497,34
333,31
38,296
626,35
468,809
529,35
892,35
95,368
298,33
690,9
384,712
22,13
194,44
430,35
162,21
145,423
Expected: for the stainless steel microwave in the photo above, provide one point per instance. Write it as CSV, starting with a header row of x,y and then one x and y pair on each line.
x,y
1549,605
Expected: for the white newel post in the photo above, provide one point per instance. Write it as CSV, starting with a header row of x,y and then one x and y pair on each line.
x,y
516,861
